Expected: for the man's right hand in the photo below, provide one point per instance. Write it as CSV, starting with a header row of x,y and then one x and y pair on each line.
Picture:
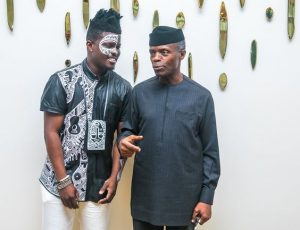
x,y
69,196
127,145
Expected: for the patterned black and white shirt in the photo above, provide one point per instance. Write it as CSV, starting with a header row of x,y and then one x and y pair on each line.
x,y
77,94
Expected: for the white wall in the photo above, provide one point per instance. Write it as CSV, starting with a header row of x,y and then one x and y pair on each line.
x,y
257,115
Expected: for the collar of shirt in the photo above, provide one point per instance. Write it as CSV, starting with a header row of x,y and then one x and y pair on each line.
x,y
88,72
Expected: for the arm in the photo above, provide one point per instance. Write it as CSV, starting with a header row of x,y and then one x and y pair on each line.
x,y
127,137
211,163
116,156
52,125
111,183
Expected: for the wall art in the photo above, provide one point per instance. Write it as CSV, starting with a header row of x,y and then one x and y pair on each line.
x,y
223,30
135,66
135,7
68,27
41,4
10,14
180,20
291,18
86,12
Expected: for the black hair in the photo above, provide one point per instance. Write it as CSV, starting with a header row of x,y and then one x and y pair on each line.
x,y
104,21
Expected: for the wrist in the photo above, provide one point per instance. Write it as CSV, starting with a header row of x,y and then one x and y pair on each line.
x,y
64,178
64,182
113,176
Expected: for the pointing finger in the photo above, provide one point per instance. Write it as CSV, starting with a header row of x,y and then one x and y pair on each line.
x,y
136,138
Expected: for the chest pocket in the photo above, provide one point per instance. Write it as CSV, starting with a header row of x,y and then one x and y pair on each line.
x,y
188,121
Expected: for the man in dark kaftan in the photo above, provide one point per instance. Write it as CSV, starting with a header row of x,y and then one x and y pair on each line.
x,y
171,127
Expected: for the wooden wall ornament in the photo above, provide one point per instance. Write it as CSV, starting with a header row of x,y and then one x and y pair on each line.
x,y
223,81
86,12
155,21
223,30
180,20
135,66
10,14
41,4
115,4
291,18
190,66
68,27
135,7
253,53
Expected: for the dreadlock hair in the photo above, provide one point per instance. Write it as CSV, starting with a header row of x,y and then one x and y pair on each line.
x,y
104,21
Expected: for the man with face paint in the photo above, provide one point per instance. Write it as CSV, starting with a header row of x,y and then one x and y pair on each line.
x,y
171,129
83,107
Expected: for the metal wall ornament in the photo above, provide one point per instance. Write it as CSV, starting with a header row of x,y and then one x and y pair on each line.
x,y
180,20
242,2
223,30
10,14
291,18
200,3
269,13
115,4
135,7
86,12
223,81
155,21
135,66
68,27
41,4
190,66
253,53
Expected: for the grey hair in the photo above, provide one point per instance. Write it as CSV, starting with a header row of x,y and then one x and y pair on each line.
x,y
181,45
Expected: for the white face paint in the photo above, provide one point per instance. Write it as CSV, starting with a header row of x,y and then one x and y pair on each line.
x,y
110,38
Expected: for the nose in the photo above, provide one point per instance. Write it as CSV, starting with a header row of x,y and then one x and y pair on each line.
x,y
156,57
114,51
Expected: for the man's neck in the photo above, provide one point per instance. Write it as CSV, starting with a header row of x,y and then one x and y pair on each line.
x,y
172,79
94,69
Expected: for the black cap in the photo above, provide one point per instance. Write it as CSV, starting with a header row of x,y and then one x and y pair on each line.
x,y
162,35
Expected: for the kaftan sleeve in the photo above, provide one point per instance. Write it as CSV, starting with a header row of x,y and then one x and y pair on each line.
x,y
125,102
211,161
54,97
130,123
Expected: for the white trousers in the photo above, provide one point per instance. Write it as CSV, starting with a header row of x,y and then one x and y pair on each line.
x,y
89,216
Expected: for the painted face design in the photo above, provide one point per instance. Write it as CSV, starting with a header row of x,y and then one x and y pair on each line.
x,y
112,40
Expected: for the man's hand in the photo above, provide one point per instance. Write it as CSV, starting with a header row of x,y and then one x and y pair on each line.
x,y
202,211
127,145
69,196
110,185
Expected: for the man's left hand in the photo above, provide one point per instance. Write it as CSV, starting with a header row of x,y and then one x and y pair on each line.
x,y
202,211
110,185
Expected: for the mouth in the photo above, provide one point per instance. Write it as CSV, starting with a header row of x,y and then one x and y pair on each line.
x,y
112,60
158,68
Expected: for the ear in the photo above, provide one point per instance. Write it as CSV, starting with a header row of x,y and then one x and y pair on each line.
x,y
89,45
182,54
